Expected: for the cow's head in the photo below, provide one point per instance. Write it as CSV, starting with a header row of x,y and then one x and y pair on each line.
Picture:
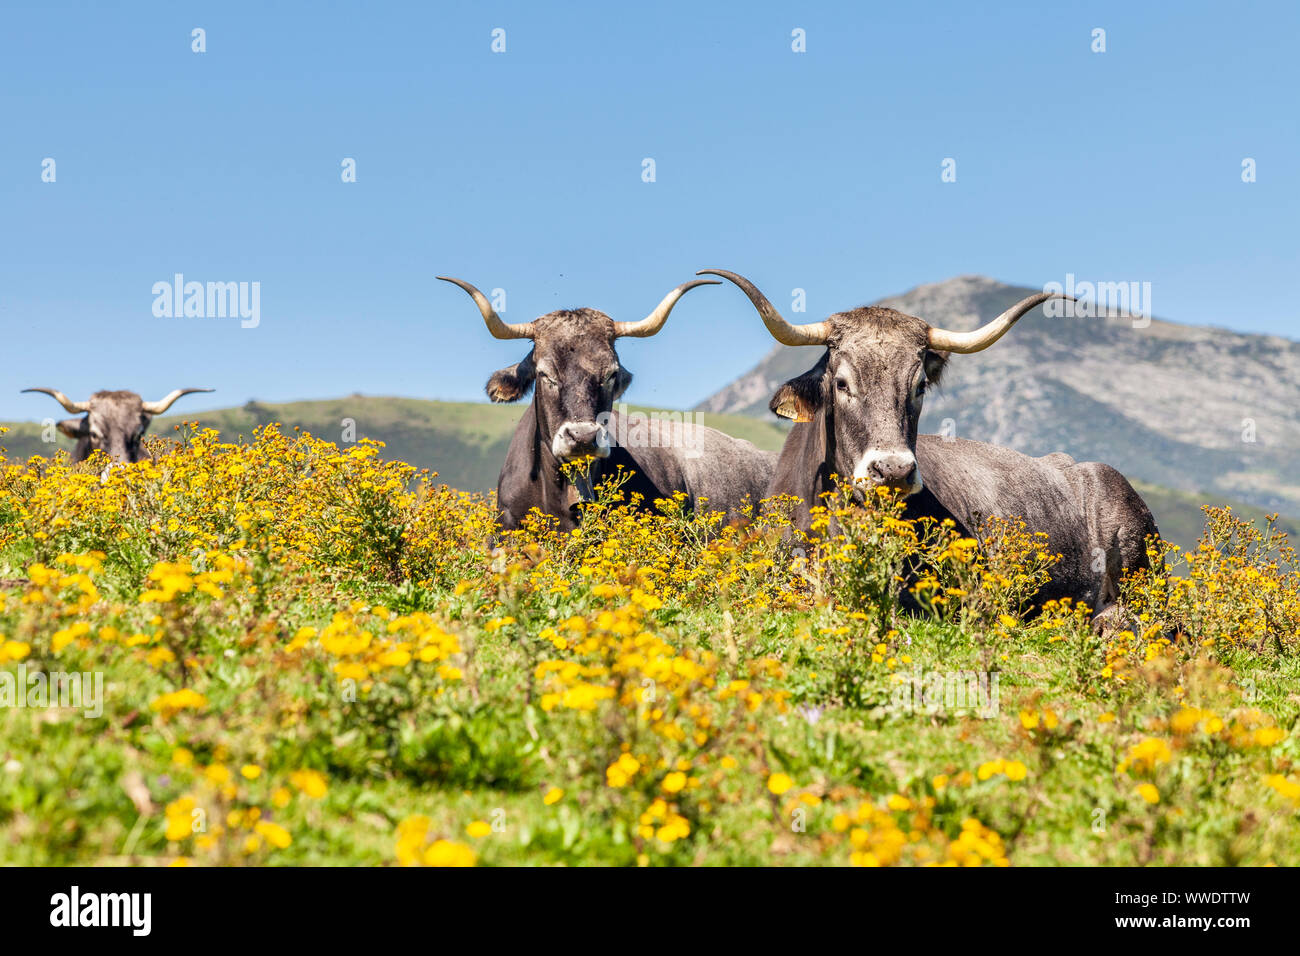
x,y
869,386
577,372
113,422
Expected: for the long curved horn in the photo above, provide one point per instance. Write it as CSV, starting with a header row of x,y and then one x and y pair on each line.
x,y
814,333
974,341
75,407
653,322
498,328
157,408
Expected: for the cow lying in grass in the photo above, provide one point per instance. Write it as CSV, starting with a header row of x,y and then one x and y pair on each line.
x,y
576,376
857,412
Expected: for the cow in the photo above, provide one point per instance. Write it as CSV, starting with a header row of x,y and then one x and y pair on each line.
x,y
856,414
114,422
578,377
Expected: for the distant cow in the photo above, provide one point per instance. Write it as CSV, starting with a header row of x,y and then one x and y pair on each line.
x,y
578,377
114,422
857,412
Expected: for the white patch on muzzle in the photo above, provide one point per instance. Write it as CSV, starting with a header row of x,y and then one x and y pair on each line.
x,y
891,462
564,445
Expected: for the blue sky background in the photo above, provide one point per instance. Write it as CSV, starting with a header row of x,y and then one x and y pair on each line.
x,y
523,170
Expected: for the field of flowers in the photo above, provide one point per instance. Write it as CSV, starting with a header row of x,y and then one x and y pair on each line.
x,y
312,655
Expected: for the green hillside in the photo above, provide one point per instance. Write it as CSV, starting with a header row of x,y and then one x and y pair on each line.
x,y
465,443
1178,513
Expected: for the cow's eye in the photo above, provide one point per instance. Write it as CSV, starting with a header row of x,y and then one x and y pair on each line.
x,y
611,378
842,385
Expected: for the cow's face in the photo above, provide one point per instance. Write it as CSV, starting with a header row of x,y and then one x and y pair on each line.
x,y
577,377
115,424
868,388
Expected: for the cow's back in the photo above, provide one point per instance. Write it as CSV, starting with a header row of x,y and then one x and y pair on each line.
x,y
1093,517
728,474
716,471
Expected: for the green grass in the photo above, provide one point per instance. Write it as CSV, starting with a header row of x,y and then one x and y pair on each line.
x,y
492,758
776,706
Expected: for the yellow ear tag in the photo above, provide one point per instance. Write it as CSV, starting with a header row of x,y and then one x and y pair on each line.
x,y
790,409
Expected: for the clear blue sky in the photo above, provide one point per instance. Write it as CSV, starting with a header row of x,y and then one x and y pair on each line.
x,y
522,170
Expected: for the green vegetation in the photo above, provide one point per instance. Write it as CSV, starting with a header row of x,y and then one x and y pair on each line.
x,y
307,659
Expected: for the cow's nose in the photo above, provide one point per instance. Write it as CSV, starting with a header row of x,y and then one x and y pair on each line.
x,y
579,439
896,470
893,471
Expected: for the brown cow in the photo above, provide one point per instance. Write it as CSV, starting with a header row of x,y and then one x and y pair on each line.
x,y
857,413
578,377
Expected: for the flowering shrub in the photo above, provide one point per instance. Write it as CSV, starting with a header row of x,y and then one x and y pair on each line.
x,y
1240,588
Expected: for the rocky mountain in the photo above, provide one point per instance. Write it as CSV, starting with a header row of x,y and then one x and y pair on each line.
x,y
1198,409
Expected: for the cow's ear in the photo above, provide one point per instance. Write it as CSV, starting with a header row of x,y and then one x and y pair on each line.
x,y
511,384
799,398
935,363
74,427
624,380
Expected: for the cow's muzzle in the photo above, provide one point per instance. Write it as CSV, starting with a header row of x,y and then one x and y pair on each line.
x,y
575,440
897,470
